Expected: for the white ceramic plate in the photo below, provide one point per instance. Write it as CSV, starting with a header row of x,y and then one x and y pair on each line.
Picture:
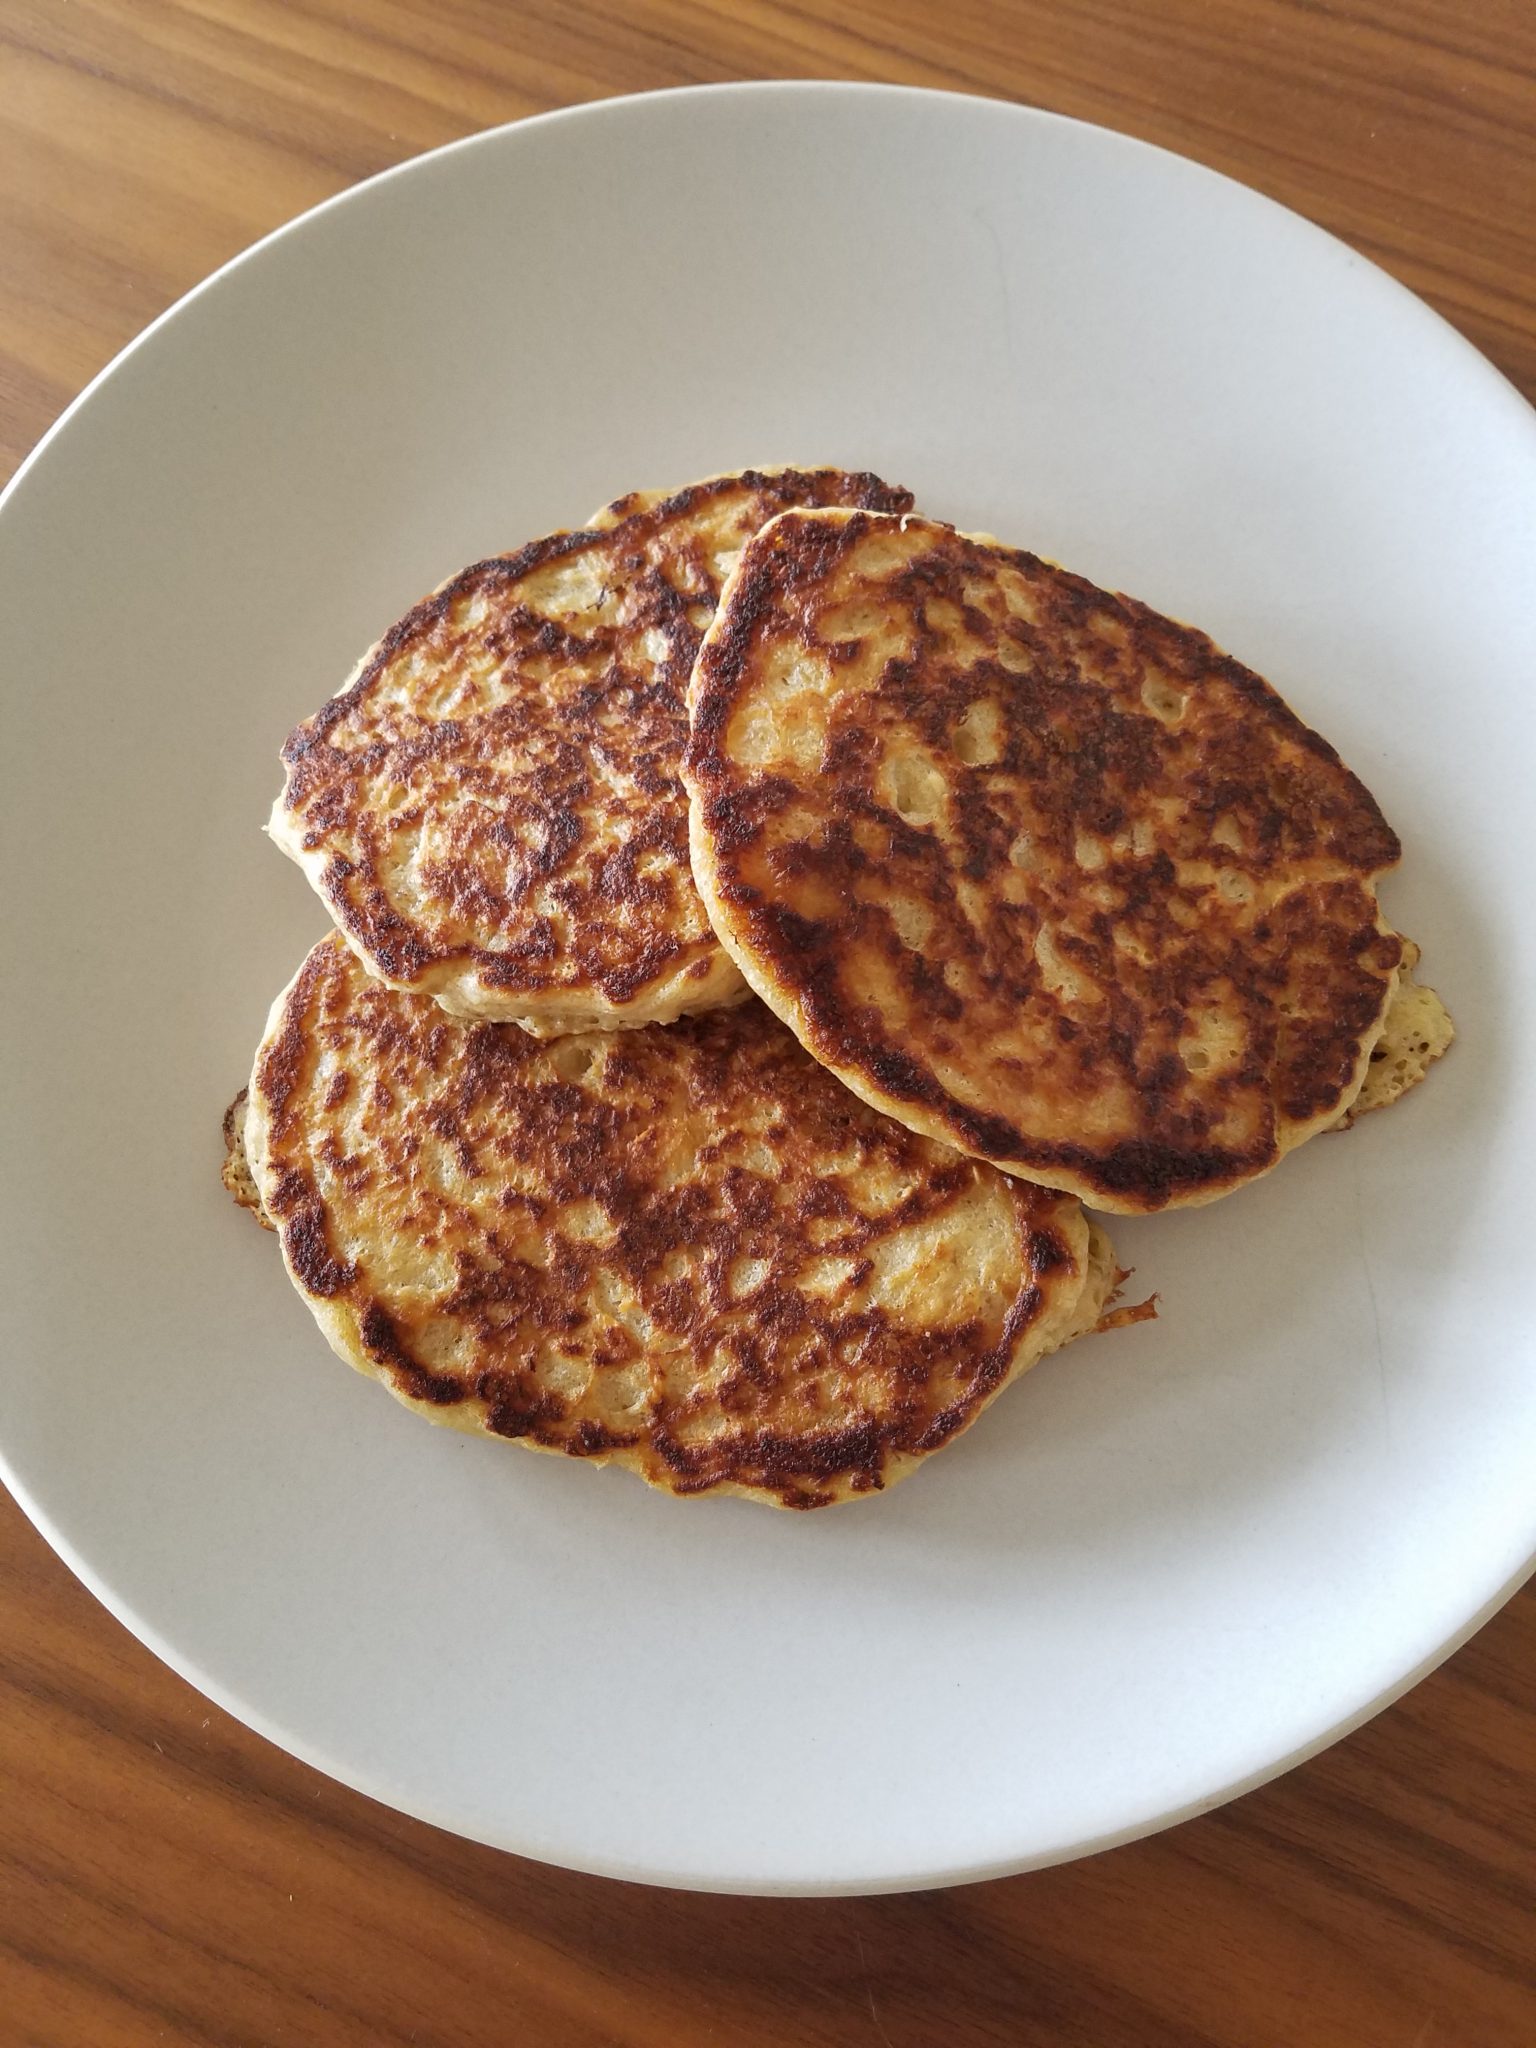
x,y
1168,1563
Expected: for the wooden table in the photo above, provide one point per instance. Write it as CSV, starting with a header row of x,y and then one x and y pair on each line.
x,y
166,1876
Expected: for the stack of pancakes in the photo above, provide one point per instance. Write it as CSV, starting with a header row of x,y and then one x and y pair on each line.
x,y
764,917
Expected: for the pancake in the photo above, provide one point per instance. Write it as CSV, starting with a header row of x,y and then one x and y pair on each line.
x,y
1417,1032
236,1171
491,810
687,1250
1031,867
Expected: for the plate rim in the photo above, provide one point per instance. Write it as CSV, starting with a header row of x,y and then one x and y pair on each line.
x,y
1524,410
314,1757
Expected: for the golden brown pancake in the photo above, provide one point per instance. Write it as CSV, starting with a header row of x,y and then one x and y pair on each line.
x,y
491,808
1031,867
685,1249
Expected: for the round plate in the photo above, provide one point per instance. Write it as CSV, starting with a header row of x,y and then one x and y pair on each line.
x,y
1172,1560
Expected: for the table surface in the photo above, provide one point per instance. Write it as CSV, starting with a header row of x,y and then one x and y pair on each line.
x,y
166,1876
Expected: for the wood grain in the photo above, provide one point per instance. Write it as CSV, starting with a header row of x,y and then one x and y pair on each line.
x,y
166,1876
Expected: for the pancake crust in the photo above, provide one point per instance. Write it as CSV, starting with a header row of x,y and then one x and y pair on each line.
x,y
685,1250
1417,1032
236,1170
1030,866
491,809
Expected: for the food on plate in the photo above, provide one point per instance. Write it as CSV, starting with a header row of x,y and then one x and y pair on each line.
x,y
236,1170
1034,878
684,1249
491,809
1417,1031
1041,873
